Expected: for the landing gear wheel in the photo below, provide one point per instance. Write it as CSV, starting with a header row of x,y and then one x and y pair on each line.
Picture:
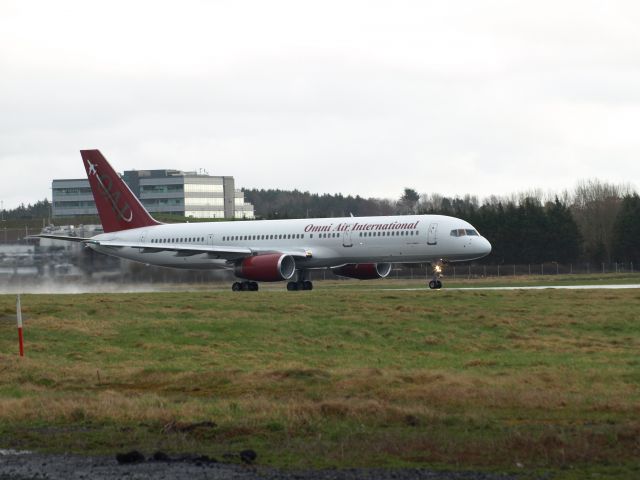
x,y
302,282
438,284
244,287
433,284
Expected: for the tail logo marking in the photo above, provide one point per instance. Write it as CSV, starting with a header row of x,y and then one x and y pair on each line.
x,y
106,184
92,168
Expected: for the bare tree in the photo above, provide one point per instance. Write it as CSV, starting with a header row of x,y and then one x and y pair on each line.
x,y
595,207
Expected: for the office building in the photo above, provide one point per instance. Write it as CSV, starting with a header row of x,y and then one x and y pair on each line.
x,y
189,194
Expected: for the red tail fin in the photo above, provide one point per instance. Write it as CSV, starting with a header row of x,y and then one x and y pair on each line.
x,y
118,207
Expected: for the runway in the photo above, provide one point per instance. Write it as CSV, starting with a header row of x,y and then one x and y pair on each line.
x,y
525,287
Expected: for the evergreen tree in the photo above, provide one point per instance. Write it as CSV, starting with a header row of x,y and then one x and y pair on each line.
x,y
626,231
563,242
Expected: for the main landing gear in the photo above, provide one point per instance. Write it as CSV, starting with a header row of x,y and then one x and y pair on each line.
x,y
244,286
303,282
435,283
300,285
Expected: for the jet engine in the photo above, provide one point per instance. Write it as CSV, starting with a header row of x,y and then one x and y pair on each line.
x,y
272,267
363,271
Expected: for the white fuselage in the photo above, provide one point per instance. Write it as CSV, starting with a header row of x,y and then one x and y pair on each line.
x,y
316,243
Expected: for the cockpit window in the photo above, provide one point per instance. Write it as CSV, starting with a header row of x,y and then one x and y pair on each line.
x,y
461,232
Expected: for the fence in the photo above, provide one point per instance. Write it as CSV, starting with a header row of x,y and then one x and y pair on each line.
x,y
469,271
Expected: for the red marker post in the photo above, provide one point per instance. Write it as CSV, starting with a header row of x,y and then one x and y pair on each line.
x,y
19,318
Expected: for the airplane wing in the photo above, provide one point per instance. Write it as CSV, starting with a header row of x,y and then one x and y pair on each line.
x,y
214,251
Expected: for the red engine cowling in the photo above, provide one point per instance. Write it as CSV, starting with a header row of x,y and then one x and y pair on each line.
x,y
363,271
272,267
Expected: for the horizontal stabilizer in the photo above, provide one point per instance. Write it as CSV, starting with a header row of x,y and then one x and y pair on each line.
x,y
60,237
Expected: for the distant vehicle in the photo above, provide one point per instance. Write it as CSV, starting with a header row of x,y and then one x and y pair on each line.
x,y
273,250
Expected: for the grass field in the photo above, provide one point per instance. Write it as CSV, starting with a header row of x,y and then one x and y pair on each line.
x,y
545,379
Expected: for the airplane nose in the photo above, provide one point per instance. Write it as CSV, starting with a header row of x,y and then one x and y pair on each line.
x,y
486,247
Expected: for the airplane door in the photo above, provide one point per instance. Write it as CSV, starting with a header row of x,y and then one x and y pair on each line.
x,y
210,239
143,235
432,234
346,237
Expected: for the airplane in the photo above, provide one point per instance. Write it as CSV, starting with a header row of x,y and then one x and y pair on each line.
x,y
273,250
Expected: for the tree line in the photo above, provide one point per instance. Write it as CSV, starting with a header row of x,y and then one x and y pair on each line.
x,y
597,222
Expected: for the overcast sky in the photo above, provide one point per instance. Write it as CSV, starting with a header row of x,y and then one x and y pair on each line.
x,y
455,97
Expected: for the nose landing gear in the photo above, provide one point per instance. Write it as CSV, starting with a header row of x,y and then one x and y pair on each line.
x,y
435,283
